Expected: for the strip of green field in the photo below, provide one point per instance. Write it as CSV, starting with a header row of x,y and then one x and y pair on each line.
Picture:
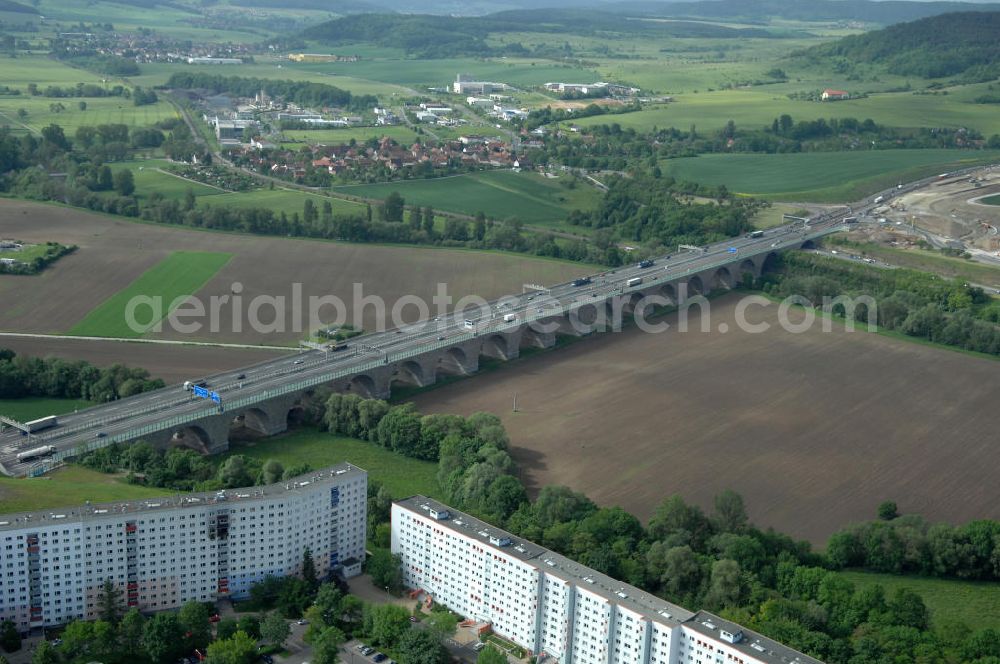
x,y
991,200
26,409
280,200
68,487
969,602
498,194
181,274
402,476
820,176
757,107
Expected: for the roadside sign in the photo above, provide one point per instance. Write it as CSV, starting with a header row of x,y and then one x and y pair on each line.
x,y
731,250
200,392
215,397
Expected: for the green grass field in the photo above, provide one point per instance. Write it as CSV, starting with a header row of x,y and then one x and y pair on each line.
x,y
519,72
27,254
402,476
757,107
31,408
170,19
976,604
100,110
150,178
499,194
181,274
991,200
68,487
43,71
158,73
819,176
280,200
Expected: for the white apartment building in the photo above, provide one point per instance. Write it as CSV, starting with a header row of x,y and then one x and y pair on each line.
x,y
164,552
554,607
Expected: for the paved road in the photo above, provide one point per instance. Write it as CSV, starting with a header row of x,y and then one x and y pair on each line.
x,y
170,407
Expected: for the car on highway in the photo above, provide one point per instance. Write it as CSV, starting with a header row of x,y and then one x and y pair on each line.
x,y
644,264
298,361
101,434
241,376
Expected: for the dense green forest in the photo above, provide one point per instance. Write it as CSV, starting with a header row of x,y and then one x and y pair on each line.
x,y
960,44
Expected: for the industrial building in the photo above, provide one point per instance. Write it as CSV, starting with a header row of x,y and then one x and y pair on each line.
x,y
214,61
321,57
556,608
465,85
164,552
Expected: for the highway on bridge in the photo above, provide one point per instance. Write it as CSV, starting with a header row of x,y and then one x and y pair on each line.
x,y
171,406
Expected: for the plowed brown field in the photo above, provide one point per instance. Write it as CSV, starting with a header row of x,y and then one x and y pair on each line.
x,y
814,429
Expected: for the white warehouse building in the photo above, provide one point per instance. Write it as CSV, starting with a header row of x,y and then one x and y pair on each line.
x,y
164,552
554,607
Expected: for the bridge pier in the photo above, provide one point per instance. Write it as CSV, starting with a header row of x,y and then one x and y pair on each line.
x,y
461,360
532,338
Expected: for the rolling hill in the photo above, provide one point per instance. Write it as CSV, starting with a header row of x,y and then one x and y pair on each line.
x,y
961,44
753,11
429,35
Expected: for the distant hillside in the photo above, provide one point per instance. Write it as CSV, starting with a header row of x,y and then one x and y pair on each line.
x,y
16,8
441,36
963,44
869,11
334,7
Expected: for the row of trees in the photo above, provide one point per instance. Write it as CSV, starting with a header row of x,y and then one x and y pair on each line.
x,y
181,469
25,376
909,544
612,147
915,303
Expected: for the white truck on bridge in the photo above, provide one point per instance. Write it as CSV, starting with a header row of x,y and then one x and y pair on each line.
x,y
41,423
35,453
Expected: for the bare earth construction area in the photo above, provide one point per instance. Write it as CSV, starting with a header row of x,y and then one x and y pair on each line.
x,y
814,429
